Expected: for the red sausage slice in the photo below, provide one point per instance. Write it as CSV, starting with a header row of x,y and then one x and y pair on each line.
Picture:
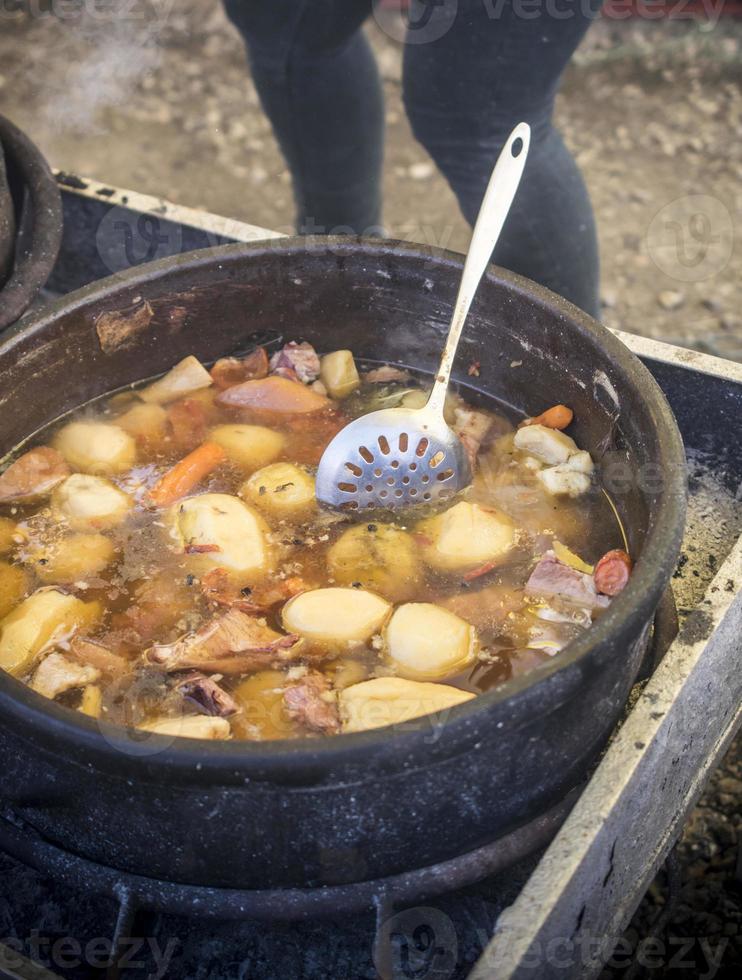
x,y
612,572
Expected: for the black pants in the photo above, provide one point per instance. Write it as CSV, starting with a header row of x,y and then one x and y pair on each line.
x,y
472,69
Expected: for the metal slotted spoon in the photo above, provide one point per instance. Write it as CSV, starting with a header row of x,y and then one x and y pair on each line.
x,y
399,457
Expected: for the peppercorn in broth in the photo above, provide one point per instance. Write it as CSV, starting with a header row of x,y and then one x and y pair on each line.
x,y
164,563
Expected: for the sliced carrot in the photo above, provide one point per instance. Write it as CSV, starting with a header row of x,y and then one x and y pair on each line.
x,y
556,417
186,474
478,572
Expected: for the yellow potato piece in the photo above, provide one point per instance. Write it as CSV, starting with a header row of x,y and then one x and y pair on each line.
x,y
90,503
91,703
8,531
382,557
146,422
338,374
190,726
96,447
187,376
238,535
251,446
393,701
73,558
466,536
425,642
281,490
548,445
13,586
44,618
335,618
263,713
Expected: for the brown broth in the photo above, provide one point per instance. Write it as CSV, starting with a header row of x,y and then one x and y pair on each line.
x,y
151,595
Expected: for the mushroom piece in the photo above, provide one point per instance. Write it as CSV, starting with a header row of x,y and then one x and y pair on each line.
x,y
312,703
33,476
232,643
57,674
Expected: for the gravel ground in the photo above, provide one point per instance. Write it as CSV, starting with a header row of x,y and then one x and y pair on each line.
x,y
160,101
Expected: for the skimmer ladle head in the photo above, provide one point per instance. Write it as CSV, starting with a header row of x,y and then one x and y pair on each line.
x,y
399,457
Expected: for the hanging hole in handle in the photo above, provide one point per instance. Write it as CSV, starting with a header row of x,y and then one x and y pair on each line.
x,y
517,148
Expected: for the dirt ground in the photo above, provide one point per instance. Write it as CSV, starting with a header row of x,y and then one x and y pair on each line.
x,y
160,101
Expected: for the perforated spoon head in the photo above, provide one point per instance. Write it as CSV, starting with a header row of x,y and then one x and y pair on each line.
x,y
392,459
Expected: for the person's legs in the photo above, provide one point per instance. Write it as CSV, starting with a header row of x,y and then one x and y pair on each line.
x,y
498,63
318,82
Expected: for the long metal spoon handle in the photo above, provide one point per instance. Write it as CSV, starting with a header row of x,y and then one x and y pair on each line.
x,y
494,210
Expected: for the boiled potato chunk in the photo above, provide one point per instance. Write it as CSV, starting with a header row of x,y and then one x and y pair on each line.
x,y
39,621
549,445
263,713
91,702
382,557
563,481
8,532
189,726
393,701
187,376
335,618
339,374
251,446
466,536
90,503
145,422
13,585
282,490
425,642
218,530
73,558
96,447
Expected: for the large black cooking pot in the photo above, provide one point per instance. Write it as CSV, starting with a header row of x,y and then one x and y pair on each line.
x,y
371,804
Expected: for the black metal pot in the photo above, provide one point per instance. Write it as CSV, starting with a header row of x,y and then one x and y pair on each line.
x,y
30,222
376,803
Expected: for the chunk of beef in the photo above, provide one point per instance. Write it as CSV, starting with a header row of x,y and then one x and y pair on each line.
x,y
551,579
312,703
206,695
32,476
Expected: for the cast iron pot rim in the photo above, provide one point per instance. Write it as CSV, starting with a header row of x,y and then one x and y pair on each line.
x,y
209,759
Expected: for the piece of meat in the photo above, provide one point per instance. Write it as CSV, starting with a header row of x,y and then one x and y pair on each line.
x,y
232,643
486,608
386,374
57,674
33,475
471,427
612,572
218,589
297,362
311,703
188,422
552,579
274,399
206,695
92,653
230,371
310,435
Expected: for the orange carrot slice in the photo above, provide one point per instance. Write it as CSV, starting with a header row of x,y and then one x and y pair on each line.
x,y
557,417
186,474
